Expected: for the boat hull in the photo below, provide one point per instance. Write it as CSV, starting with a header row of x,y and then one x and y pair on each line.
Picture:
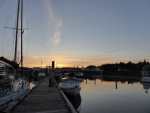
x,y
71,91
145,79
70,85
79,74
12,96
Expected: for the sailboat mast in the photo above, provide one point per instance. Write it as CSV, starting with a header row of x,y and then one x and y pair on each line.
x,y
21,34
15,54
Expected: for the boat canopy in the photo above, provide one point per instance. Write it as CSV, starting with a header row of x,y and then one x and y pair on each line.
x,y
8,62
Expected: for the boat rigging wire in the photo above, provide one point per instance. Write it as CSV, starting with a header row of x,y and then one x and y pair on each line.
x,y
8,14
9,11
3,43
26,52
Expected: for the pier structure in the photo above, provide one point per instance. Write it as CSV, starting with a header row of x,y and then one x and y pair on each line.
x,y
42,99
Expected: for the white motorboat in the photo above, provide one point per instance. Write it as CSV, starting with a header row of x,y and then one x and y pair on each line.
x,y
70,85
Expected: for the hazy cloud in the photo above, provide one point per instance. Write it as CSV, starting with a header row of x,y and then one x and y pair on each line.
x,y
56,24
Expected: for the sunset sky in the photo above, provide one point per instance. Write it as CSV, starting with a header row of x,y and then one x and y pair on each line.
x,y
78,32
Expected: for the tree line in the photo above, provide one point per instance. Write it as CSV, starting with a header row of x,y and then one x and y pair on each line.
x,y
120,66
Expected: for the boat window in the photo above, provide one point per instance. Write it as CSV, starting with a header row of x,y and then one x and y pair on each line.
x,y
69,81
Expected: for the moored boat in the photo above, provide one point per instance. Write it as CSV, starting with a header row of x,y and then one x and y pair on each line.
x,y
11,87
13,83
76,101
58,74
70,85
145,79
79,74
41,74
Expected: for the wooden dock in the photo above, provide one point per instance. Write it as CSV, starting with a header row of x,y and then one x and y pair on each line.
x,y
44,99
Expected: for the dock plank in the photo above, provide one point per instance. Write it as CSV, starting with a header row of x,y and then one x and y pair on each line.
x,y
43,99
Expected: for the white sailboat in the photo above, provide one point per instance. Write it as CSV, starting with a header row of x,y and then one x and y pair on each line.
x,y
12,84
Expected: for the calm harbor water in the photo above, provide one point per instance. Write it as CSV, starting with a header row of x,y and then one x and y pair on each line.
x,y
106,96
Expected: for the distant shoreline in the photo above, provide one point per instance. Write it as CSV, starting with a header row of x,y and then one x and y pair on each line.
x,y
123,77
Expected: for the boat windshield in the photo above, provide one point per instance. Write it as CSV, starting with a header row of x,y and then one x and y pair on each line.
x,y
71,81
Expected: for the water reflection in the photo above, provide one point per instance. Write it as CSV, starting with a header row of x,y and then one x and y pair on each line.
x,y
32,83
113,95
121,84
108,80
146,86
123,80
76,101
